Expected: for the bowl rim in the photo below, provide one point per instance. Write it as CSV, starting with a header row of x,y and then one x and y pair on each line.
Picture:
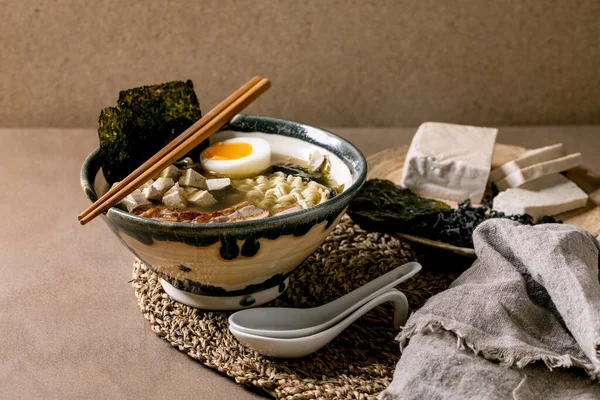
x,y
322,209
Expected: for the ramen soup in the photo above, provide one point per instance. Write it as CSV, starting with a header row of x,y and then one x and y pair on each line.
x,y
235,179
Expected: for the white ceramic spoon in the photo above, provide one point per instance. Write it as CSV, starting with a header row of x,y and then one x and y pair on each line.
x,y
283,322
302,346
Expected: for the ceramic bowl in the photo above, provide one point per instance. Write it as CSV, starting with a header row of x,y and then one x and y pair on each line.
x,y
230,266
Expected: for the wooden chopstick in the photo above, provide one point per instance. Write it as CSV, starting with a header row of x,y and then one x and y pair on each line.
x,y
173,144
191,138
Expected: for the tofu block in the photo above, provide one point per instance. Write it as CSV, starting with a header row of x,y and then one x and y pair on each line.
x,y
152,193
202,198
536,171
449,161
134,199
217,184
162,185
170,172
174,197
548,195
188,190
526,159
189,177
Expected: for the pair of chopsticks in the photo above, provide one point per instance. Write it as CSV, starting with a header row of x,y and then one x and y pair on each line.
x,y
178,147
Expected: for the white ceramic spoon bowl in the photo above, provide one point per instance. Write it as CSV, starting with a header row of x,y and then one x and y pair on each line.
x,y
284,322
302,346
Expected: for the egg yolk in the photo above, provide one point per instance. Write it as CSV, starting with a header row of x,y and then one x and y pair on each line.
x,y
228,151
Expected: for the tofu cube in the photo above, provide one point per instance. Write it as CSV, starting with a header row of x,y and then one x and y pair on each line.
x,y
189,190
162,185
170,172
189,177
202,198
152,193
448,161
134,199
174,197
217,184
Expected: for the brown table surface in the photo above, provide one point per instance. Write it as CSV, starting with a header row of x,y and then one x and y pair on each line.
x,y
69,323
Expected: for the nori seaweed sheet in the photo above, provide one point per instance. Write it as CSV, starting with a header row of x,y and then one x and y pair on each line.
x,y
145,120
382,206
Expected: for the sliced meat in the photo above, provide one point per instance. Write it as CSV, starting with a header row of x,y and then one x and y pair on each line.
x,y
258,215
190,215
229,210
150,213
246,213
289,209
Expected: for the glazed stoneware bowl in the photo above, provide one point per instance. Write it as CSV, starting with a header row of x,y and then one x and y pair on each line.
x,y
230,266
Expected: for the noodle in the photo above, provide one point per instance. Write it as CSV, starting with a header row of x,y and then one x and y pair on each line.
x,y
277,190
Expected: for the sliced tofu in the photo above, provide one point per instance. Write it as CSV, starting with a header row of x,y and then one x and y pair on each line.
x,y
526,159
202,198
174,197
189,177
134,199
289,209
449,161
539,170
217,184
548,195
170,172
246,213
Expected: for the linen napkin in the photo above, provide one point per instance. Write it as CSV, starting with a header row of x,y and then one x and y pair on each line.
x,y
523,322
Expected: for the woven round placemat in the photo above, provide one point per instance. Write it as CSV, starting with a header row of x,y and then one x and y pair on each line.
x,y
358,364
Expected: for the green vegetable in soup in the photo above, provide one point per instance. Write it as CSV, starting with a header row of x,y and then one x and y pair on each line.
x,y
144,121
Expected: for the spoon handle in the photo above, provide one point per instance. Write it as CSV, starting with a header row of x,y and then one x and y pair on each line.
x,y
393,295
365,293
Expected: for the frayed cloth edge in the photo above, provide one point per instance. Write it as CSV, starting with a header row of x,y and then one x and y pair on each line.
x,y
503,357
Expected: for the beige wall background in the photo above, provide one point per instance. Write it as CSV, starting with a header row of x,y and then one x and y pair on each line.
x,y
332,62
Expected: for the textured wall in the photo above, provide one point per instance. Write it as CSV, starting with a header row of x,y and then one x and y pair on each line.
x,y
332,62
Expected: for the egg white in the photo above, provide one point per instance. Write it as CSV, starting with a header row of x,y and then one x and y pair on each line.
x,y
257,161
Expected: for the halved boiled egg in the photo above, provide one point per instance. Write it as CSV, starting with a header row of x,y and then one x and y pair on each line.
x,y
239,157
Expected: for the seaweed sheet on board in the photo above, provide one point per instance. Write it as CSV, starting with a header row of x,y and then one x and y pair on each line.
x,y
385,207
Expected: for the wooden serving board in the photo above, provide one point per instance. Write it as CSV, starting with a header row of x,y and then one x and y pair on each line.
x,y
387,164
